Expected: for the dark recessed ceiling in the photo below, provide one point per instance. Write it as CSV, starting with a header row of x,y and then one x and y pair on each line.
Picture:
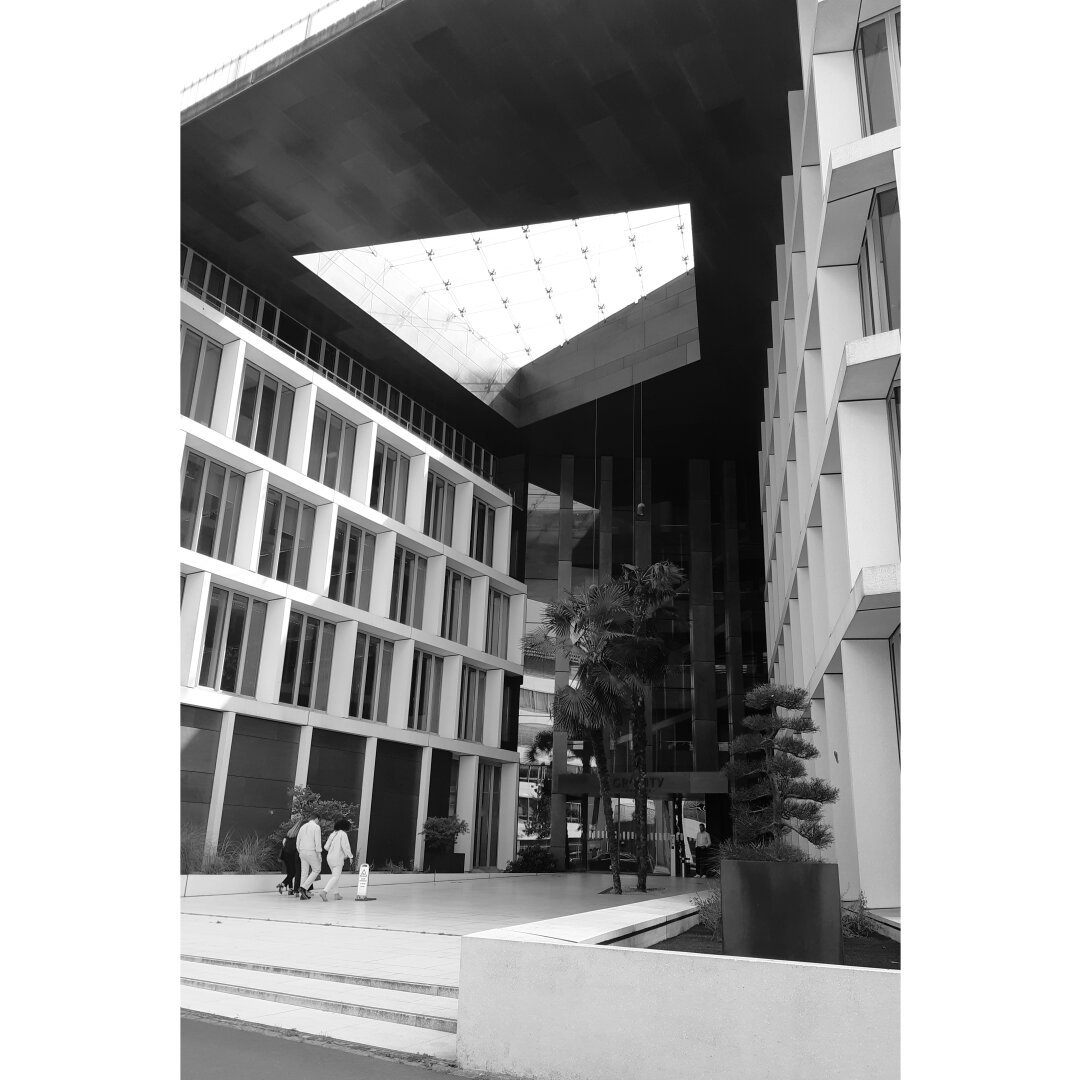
x,y
443,116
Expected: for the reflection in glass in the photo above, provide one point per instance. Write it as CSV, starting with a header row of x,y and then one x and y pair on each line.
x,y
269,542
234,641
254,649
315,450
208,382
248,398
208,526
212,639
189,497
877,79
326,655
889,244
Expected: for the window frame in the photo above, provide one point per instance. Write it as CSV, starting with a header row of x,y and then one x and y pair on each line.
x,y
321,667
440,492
891,20
277,435
471,727
500,625
373,669
484,510
411,606
342,480
345,531
200,373
871,272
398,494
423,715
456,614
220,644
294,572
192,543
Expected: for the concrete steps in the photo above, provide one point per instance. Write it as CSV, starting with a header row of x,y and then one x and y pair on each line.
x,y
386,1014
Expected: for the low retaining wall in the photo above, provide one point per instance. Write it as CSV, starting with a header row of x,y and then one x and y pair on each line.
x,y
224,884
656,1013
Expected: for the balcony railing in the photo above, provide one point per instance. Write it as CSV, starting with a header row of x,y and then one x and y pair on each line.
x,y
215,287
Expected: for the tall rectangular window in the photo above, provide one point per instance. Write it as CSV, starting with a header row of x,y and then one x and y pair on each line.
x,y
286,547
233,642
309,649
495,639
425,686
471,704
390,481
210,506
351,565
878,72
330,457
439,509
369,691
200,361
482,532
266,412
407,587
879,265
456,590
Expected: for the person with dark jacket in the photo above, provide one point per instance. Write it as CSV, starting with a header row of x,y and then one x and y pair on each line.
x,y
291,858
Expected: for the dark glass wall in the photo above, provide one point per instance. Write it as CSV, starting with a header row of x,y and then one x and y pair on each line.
x,y
392,832
200,730
336,769
262,767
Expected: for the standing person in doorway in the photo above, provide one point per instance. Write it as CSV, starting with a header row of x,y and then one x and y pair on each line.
x,y
702,844
338,854
310,849
291,858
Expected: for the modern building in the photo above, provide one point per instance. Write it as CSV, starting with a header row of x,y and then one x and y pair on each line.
x,y
830,459
361,453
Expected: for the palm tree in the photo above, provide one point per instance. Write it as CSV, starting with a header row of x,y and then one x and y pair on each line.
x,y
643,653
583,627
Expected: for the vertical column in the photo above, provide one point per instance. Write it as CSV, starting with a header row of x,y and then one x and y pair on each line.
x,y
733,617
501,540
436,581
832,716
417,494
449,703
192,621
382,573
605,548
250,523
300,429
839,318
508,812
221,777
643,526
516,618
875,768
704,685
422,805
468,768
364,462
304,755
493,706
816,567
835,545
341,667
326,521
463,516
836,101
401,671
227,392
478,612
268,686
371,746
816,405
806,620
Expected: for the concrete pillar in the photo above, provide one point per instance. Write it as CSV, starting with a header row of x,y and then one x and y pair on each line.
x,y
836,101
193,611
867,474
806,622
508,813
422,804
816,405
468,768
875,768
363,463
835,545
417,492
449,697
463,516
371,746
304,755
250,523
227,392
401,671
840,320
300,429
478,612
516,631
326,521
435,584
501,540
221,776
493,706
794,642
382,573
268,687
816,567
341,667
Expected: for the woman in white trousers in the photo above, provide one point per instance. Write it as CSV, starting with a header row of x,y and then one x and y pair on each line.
x,y
338,853
309,845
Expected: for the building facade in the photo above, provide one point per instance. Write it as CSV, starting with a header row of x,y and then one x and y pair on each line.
x,y
830,446
348,620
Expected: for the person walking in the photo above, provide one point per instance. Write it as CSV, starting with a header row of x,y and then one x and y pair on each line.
x,y
338,854
309,848
702,843
291,858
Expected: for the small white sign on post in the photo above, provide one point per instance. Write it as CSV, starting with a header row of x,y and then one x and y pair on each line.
x,y
362,883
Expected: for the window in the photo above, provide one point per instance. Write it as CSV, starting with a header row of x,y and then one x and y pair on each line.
x,y
425,687
200,360
878,72
895,669
286,548
330,458
390,481
535,700
879,265
455,625
210,506
233,642
893,406
407,587
439,509
495,640
351,565
370,690
471,704
266,411
309,648
482,532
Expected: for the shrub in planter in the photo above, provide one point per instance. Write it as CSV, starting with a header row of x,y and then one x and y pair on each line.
x,y
440,833
533,860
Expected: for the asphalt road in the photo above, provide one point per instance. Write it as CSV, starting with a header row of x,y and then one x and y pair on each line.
x,y
210,1051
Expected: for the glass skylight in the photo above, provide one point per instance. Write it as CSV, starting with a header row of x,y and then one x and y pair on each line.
x,y
482,305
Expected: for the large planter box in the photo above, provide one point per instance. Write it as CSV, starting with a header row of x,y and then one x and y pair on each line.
x,y
781,911
445,862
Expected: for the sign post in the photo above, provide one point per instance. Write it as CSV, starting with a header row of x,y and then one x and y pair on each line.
x,y
362,884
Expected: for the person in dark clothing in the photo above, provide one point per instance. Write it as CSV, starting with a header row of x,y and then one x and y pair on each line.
x,y
291,858
702,844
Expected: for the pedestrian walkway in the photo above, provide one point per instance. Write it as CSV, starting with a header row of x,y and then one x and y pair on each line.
x,y
381,974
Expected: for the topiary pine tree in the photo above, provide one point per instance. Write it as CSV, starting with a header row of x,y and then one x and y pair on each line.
x,y
776,797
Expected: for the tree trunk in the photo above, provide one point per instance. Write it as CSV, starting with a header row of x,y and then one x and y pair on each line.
x,y
606,803
638,751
